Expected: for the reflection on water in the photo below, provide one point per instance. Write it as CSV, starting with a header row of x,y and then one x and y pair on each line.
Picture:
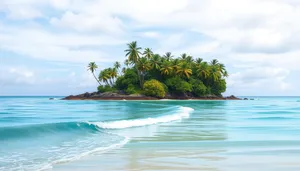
x,y
163,157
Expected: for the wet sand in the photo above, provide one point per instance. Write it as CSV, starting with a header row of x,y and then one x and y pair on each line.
x,y
130,158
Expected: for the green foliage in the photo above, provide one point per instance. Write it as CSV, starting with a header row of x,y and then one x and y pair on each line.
x,y
131,89
218,87
165,87
129,78
154,88
199,89
177,75
106,88
178,86
92,67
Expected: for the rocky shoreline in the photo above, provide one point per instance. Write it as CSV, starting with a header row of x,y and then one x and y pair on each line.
x,y
120,96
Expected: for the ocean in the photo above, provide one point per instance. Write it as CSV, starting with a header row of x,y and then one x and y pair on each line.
x,y
41,134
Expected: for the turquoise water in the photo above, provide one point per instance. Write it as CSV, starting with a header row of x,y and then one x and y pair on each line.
x,y
41,134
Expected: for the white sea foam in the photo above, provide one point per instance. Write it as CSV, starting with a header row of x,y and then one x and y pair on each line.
x,y
183,112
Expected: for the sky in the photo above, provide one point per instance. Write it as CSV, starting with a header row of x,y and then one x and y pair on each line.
x,y
45,45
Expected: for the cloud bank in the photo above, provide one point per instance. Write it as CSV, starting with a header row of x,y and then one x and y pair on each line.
x,y
256,39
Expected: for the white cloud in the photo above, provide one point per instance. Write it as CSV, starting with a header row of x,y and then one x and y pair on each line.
x,y
84,80
88,22
265,80
288,60
249,36
37,43
150,34
17,76
22,9
60,4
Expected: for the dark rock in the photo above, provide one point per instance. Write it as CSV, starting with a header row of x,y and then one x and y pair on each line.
x,y
168,96
211,96
122,92
232,97
86,95
68,97
51,98
120,95
96,95
80,95
246,99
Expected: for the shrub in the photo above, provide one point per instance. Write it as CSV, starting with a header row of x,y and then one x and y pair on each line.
x,y
165,87
131,89
218,87
129,78
198,88
178,85
106,88
154,88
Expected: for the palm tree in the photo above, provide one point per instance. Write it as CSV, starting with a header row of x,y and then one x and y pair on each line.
x,y
110,75
104,76
215,73
183,56
222,69
168,56
92,67
126,62
133,52
166,68
114,73
214,62
225,74
155,61
175,63
123,70
203,70
143,65
198,61
148,53
185,70
189,59
117,65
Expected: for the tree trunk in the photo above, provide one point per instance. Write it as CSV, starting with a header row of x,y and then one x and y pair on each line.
x,y
142,80
96,79
111,84
139,75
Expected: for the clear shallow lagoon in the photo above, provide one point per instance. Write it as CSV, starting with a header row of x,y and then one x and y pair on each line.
x,y
41,134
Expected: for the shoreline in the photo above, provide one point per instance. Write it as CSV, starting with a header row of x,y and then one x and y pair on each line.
x,y
116,96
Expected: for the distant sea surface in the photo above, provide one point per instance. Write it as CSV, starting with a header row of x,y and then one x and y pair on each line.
x,y
41,134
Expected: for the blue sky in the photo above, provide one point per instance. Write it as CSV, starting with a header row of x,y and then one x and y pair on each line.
x,y
45,45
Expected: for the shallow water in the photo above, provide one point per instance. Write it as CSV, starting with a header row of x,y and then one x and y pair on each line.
x,y
41,134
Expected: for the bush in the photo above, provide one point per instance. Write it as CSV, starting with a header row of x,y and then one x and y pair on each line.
x,y
154,88
178,85
199,89
218,87
165,87
129,78
131,89
106,88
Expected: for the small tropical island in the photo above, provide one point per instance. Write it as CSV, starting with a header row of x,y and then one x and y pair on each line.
x,y
150,76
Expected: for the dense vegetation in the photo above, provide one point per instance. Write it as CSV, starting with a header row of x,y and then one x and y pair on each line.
x,y
145,72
